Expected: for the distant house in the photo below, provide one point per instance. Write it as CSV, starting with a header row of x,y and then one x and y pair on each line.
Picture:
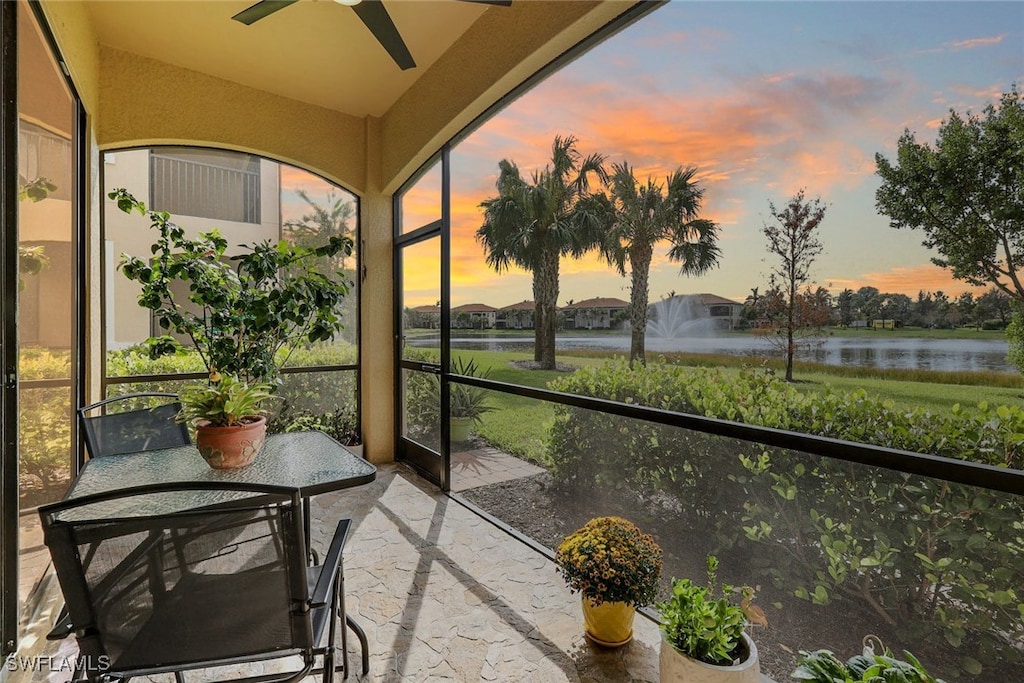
x,y
515,316
725,312
474,316
600,313
673,315
425,316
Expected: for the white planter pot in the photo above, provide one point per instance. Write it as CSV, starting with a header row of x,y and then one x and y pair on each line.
x,y
677,667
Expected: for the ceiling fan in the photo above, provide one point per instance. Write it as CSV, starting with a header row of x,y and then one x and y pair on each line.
x,y
371,12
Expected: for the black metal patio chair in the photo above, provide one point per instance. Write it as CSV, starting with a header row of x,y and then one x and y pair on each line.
x,y
134,430
127,431
186,576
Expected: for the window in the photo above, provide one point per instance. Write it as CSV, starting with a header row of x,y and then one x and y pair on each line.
x,y
205,183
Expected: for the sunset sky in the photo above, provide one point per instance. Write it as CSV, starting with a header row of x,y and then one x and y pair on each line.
x,y
764,98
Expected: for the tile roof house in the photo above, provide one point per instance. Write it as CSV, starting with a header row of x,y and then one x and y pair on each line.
x,y
475,316
596,313
725,312
517,316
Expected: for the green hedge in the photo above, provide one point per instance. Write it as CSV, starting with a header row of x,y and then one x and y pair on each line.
x,y
929,558
44,437
310,400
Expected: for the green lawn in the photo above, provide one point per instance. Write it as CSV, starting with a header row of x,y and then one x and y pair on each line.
x,y
935,397
919,333
519,425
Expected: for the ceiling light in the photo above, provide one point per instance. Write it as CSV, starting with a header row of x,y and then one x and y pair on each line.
x,y
348,2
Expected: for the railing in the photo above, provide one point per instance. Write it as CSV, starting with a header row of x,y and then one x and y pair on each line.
x,y
924,551
42,154
193,188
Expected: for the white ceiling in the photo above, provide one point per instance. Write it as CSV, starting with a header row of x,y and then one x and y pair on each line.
x,y
315,51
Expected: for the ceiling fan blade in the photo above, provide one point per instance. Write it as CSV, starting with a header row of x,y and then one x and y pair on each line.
x,y
261,9
376,17
500,3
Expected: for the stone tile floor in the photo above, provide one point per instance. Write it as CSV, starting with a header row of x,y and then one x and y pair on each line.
x,y
444,595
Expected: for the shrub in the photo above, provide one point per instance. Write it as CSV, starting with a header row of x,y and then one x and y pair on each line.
x,y
318,400
250,310
930,558
45,417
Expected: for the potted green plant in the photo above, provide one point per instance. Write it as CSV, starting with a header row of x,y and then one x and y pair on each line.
x,y
616,568
229,418
822,666
703,635
466,403
245,313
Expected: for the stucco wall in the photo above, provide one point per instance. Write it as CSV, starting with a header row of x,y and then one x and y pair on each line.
x,y
147,102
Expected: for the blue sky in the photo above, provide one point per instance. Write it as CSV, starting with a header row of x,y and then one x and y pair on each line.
x,y
764,98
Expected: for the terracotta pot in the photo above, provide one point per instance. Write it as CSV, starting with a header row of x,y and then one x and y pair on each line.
x,y
609,624
675,666
226,448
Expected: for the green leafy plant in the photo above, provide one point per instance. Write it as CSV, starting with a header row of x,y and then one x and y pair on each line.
x,y
247,312
341,424
464,400
705,627
423,393
610,560
225,401
822,666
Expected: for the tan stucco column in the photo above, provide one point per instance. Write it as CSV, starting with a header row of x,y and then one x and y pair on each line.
x,y
377,312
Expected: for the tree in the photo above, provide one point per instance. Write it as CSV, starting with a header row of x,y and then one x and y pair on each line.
x,y
325,222
322,223
793,238
995,305
750,305
533,224
924,309
867,301
964,193
895,307
644,214
967,307
845,304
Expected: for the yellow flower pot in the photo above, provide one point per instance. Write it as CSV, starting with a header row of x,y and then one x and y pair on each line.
x,y
609,624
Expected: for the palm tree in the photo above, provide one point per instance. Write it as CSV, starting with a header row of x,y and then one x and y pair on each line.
x,y
533,224
642,216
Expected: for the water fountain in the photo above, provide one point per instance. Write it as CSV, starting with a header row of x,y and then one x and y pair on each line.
x,y
680,316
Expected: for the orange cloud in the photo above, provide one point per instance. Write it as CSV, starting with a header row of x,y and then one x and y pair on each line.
x,y
763,124
906,280
293,178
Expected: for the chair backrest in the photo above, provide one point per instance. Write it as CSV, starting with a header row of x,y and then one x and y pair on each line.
x,y
131,431
154,584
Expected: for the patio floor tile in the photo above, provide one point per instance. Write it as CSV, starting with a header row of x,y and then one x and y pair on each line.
x,y
444,595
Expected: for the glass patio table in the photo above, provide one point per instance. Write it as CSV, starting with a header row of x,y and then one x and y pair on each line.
x,y
311,462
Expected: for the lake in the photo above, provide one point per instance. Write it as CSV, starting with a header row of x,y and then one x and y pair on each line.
x,y
901,352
